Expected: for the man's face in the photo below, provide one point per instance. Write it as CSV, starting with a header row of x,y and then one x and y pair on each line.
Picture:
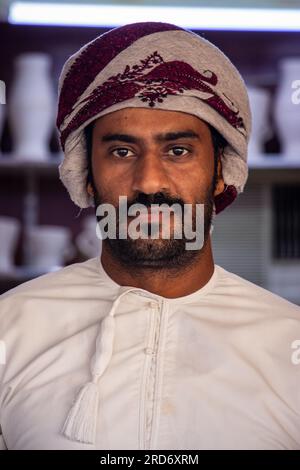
x,y
153,157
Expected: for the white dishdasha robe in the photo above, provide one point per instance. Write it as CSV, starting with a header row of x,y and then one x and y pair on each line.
x,y
216,369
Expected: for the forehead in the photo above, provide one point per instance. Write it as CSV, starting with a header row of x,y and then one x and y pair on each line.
x,y
149,120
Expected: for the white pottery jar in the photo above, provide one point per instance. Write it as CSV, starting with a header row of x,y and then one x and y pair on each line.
x,y
287,111
47,246
87,242
9,234
261,130
2,107
2,118
31,107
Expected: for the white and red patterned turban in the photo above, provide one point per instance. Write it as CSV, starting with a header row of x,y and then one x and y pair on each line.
x,y
158,66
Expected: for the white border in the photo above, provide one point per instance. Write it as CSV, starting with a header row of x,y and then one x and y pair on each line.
x,y
239,19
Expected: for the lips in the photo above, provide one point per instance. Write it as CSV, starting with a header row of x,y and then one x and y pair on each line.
x,y
154,217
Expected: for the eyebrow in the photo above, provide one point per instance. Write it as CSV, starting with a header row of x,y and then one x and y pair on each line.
x,y
167,137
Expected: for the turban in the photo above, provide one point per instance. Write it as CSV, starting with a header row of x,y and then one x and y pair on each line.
x,y
156,66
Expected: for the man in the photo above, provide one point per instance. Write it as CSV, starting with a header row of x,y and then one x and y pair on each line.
x,y
151,346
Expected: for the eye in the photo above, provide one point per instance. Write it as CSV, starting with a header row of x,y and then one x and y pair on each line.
x,y
121,152
179,151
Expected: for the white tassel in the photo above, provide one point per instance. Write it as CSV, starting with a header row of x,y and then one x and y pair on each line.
x,y
104,346
81,421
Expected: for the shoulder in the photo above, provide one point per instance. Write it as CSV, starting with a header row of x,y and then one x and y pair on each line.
x,y
53,284
244,293
62,277
43,312
47,295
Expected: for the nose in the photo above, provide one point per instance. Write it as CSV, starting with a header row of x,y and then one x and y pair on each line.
x,y
150,176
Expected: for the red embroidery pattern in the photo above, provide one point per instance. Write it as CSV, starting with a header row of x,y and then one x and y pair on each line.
x,y
152,81
97,55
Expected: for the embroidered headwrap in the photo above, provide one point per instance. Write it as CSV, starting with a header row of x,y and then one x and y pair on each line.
x,y
157,66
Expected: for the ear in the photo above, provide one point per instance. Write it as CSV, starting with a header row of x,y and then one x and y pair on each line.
x,y
90,189
220,185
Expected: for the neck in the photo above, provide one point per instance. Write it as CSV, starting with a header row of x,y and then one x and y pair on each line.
x,y
162,282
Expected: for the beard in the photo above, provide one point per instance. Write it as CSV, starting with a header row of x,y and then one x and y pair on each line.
x,y
158,254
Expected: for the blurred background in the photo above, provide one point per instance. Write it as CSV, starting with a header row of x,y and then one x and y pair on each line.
x,y
258,237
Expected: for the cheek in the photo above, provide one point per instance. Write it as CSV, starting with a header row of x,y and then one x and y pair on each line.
x,y
110,184
193,185
101,170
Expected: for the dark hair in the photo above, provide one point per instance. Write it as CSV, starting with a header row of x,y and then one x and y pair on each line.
x,y
219,143
88,132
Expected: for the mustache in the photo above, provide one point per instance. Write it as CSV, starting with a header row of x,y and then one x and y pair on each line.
x,y
157,198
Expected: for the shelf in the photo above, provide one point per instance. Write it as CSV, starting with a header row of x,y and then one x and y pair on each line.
x,y
23,273
8,164
273,162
